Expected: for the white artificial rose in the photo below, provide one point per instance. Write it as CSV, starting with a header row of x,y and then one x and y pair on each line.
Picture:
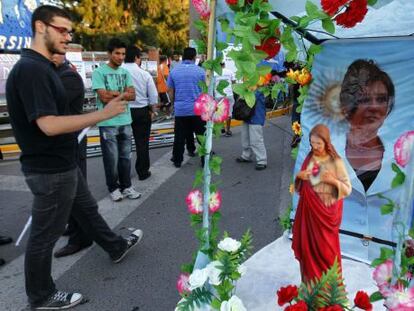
x,y
197,278
229,245
214,272
242,269
233,304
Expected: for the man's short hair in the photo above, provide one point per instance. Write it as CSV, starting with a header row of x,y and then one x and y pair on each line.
x,y
189,53
163,58
46,13
132,52
115,43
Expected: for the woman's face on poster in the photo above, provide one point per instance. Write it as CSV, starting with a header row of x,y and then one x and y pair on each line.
x,y
372,107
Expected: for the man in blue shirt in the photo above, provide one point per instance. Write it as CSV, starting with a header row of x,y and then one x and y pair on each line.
x,y
184,89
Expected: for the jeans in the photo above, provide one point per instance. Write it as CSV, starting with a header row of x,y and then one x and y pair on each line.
x,y
56,196
141,128
116,153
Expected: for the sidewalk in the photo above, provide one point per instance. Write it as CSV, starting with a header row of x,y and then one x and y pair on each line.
x,y
146,280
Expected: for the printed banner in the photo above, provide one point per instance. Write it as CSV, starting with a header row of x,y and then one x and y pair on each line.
x,y
15,23
362,90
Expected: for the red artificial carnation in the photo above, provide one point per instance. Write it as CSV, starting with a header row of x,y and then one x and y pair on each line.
x,y
353,14
332,6
362,301
300,306
271,46
231,2
287,294
332,308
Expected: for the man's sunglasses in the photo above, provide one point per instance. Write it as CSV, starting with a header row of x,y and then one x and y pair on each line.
x,y
62,30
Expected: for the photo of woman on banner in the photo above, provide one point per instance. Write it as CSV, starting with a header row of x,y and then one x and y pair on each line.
x,y
365,102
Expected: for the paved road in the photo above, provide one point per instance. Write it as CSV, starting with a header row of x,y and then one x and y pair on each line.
x,y
145,281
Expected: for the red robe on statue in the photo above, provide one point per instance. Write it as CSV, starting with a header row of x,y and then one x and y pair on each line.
x,y
315,231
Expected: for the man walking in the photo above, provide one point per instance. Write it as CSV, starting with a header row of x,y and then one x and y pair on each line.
x,y
37,105
184,90
75,95
146,96
109,81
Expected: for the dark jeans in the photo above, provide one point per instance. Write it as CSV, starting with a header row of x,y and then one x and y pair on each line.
x,y
141,129
55,197
116,154
77,235
184,129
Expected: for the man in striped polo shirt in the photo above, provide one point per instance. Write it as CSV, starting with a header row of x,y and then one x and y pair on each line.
x,y
184,89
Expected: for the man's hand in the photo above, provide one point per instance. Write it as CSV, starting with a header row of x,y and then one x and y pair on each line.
x,y
115,106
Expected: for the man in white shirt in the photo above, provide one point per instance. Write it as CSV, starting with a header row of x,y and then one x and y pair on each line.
x,y
146,96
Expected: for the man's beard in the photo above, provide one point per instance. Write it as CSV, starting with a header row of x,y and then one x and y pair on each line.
x,y
51,46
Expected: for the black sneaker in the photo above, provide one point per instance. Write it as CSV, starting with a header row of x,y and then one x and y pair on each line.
x,y
132,240
60,301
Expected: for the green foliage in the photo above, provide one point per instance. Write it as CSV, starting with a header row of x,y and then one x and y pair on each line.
x,y
217,129
198,297
221,86
376,296
326,291
284,220
386,253
294,153
399,177
198,179
215,164
372,2
156,23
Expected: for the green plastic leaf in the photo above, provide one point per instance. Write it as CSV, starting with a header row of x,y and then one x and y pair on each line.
x,y
208,64
198,179
215,164
248,67
411,232
203,86
376,296
220,46
221,86
294,153
386,253
217,68
315,49
264,70
311,9
250,98
304,22
216,304
239,89
254,38
328,25
372,2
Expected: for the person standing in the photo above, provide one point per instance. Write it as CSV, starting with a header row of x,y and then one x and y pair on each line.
x,y
75,94
110,80
146,97
184,89
252,136
162,76
44,131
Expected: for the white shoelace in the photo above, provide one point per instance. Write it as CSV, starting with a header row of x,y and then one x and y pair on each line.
x,y
60,296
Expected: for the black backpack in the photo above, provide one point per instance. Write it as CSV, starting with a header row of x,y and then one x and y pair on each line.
x,y
241,111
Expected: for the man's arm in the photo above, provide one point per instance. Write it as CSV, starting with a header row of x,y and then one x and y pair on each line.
x,y
129,93
171,95
53,125
105,96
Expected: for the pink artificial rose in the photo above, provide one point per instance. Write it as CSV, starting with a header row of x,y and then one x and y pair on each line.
x,y
215,202
222,111
194,202
382,276
403,148
183,285
401,300
205,106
